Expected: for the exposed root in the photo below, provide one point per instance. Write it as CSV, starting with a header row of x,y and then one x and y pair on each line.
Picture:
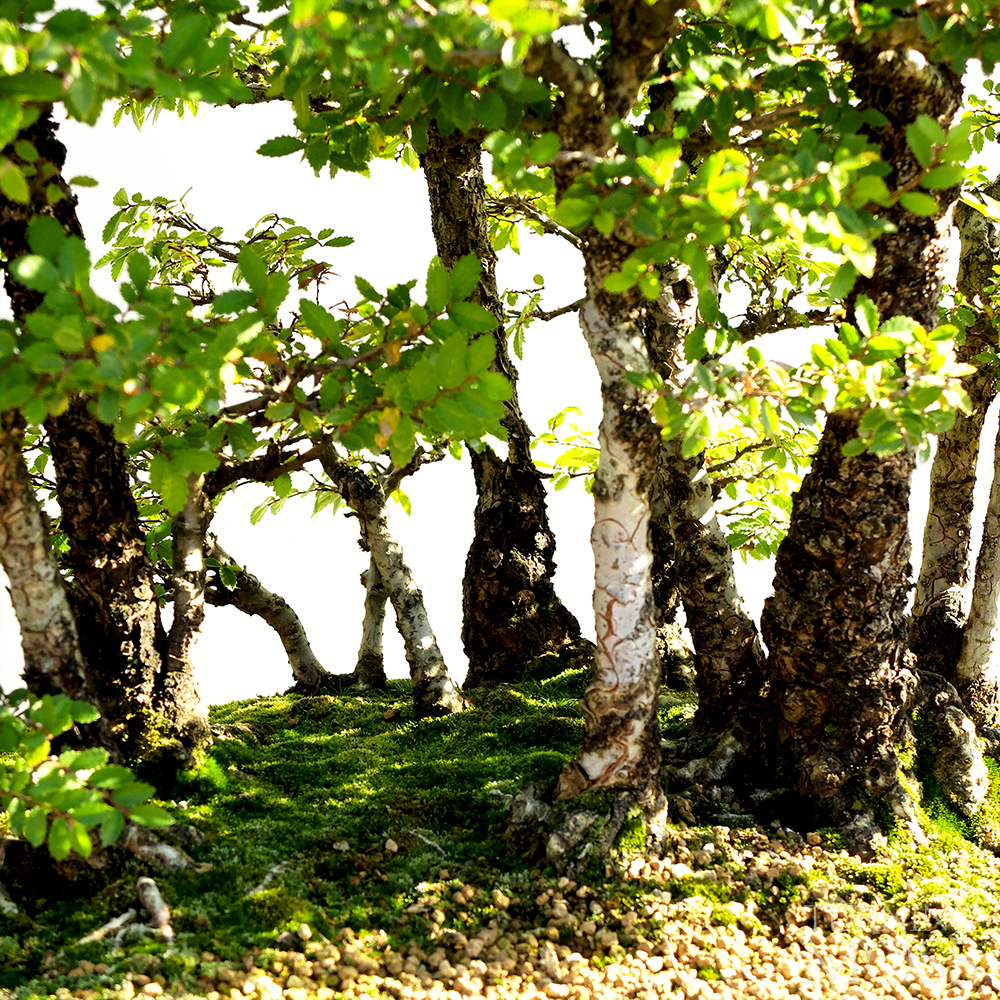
x,y
569,834
960,768
143,842
713,768
112,926
153,903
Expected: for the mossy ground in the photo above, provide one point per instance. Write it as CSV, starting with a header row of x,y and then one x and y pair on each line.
x,y
358,817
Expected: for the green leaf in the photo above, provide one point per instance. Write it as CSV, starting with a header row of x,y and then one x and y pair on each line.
x,y
367,290
131,793
150,815
254,271
139,270
35,826
575,213
472,317
544,148
491,111
464,276
854,447
112,776
618,282
13,184
866,315
438,287
80,840
843,281
111,828
919,203
920,144
59,839
946,176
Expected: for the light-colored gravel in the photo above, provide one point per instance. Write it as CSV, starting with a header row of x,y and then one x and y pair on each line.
x,y
805,929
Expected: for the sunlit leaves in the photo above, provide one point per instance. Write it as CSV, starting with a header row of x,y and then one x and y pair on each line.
x,y
56,801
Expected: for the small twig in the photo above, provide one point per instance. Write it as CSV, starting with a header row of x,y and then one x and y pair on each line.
x,y
105,929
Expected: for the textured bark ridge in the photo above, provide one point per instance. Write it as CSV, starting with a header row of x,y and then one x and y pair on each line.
x,y
370,668
977,673
728,656
835,626
52,660
253,598
434,692
178,693
113,593
942,597
839,678
621,748
511,614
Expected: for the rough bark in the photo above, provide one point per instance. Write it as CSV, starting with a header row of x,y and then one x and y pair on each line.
x,y
177,694
621,749
511,614
434,693
113,592
112,596
728,656
252,598
977,673
941,602
52,660
835,627
370,668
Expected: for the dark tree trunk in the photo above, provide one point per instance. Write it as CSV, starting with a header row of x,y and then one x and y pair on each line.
x,y
728,658
112,594
836,626
113,591
511,614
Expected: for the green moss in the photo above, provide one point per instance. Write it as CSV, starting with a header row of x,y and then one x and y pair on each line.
x,y
632,836
888,878
709,973
723,917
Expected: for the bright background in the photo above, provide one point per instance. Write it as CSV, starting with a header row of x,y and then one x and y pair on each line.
x,y
316,563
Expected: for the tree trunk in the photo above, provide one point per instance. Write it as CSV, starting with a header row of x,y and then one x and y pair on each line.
x,y
621,749
729,660
52,660
836,627
177,692
941,602
252,598
370,668
978,669
434,693
112,595
511,614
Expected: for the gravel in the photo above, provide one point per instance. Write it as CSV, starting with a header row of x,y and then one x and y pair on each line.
x,y
804,929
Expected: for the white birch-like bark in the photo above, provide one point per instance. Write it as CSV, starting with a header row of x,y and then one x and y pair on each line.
x,y
979,663
180,690
53,663
370,668
621,748
253,598
944,586
434,692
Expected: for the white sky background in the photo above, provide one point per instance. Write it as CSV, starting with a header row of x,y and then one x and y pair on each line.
x,y
316,563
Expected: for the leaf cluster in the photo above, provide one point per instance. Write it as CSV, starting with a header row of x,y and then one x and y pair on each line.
x,y
59,800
